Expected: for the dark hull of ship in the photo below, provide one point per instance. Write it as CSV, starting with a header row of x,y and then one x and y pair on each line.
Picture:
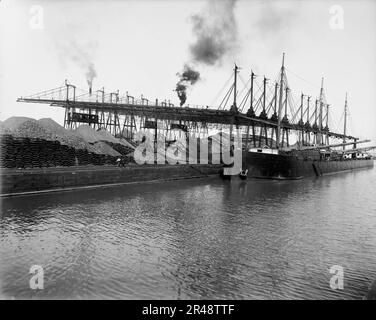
x,y
289,167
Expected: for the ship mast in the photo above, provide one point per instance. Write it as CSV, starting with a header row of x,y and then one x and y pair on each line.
x,y
315,124
235,84
301,119
307,123
280,101
251,96
308,100
264,96
250,110
275,97
344,123
234,108
327,124
320,111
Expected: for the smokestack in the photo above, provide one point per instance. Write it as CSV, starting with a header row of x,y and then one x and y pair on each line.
x,y
90,90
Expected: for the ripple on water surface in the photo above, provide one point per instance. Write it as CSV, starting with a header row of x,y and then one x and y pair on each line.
x,y
195,239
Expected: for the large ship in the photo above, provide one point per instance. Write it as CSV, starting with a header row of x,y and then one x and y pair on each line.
x,y
267,150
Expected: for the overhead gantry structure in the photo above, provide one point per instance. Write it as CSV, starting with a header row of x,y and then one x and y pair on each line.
x,y
266,116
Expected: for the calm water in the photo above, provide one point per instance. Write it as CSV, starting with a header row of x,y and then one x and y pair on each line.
x,y
196,239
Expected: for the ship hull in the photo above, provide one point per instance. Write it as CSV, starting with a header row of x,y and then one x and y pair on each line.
x,y
282,167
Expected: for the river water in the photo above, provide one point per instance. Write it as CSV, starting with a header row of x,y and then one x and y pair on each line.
x,y
194,239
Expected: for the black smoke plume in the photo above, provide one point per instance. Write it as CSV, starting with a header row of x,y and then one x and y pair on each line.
x,y
188,77
215,33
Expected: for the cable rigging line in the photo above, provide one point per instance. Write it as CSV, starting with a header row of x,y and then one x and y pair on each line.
x,y
310,83
222,89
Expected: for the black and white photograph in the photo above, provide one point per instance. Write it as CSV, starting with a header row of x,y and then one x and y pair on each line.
x,y
187,154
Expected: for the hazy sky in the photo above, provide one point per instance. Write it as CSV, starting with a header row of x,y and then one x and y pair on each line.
x,y
139,46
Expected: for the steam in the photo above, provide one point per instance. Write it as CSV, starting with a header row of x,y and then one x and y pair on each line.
x,y
90,74
82,56
215,33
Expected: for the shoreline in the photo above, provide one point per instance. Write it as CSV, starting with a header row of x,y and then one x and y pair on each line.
x,y
20,182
